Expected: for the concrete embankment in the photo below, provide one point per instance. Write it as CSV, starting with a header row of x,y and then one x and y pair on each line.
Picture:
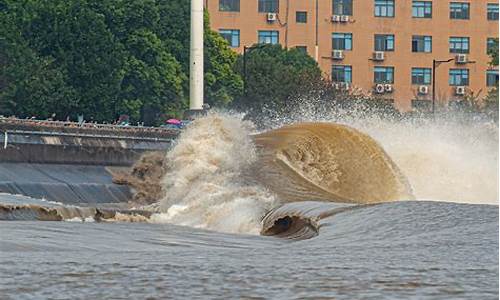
x,y
72,164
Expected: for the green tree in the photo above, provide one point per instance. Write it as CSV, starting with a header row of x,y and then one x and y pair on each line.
x,y
30,85
275,76
222,83
105,58
152,76
491,100
493,53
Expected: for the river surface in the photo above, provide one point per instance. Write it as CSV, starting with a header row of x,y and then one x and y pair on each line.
x,y
410,250
240,221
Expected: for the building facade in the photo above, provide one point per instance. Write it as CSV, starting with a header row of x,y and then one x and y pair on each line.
x,y
380,47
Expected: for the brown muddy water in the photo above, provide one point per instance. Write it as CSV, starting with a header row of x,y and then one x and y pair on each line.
x,y
260,217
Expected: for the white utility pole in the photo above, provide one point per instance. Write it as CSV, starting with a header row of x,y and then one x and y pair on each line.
x,y
196,57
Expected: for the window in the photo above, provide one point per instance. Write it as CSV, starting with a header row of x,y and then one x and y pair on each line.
x,y
459,77
342,7
302,49
384,8
421,105
459,44
492,78
269,6
384,42
269,37
459,10
341,73
232,36
421,76
229,5
422,9
421,43
492,11
342,41
384,74
301,17
491,43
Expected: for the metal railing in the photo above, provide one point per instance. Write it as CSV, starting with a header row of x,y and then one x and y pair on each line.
x,y
84,135
76,125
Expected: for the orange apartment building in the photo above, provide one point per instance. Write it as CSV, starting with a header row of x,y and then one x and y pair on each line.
x,y
382,47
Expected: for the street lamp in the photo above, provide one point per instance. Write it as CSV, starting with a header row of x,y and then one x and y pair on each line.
x,y
196,57
435,64
245,50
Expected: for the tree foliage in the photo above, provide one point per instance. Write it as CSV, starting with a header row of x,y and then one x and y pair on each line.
x,y
273,76
493,53
491,100
284,83
104,58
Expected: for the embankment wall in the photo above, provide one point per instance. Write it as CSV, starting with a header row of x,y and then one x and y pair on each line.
x,y
72,165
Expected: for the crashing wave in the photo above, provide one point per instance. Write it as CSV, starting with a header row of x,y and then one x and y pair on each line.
x,y
221,177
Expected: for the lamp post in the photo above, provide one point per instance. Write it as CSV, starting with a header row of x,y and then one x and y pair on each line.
x,y
245,50
196,57
435,64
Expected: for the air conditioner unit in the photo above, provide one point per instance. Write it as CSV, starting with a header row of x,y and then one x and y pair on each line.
x,y
336,18
337,54
378,55
460,90
271,17
344,18
461,59
379,88
423,90
388,88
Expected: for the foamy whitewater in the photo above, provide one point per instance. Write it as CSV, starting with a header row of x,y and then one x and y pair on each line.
x,y
224,176
452,157
206,186
444,160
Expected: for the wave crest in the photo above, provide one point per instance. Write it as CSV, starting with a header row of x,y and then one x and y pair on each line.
x,y
206,186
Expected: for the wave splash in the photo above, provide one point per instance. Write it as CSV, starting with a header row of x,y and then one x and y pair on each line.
x,y
328,162
222,177
449,157
205,184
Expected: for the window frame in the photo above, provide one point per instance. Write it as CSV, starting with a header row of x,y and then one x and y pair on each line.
x,y
302,49
221,2
488,76
426,40
386,6
268,6
386,39
346,72
421,105
492,15
490,41
302,14
346,7
425,6
271,34
346,36
385,71
422,78
224,31
461,73
459,15
461,41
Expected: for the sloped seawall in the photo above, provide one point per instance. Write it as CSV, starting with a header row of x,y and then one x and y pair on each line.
x,y
72,164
